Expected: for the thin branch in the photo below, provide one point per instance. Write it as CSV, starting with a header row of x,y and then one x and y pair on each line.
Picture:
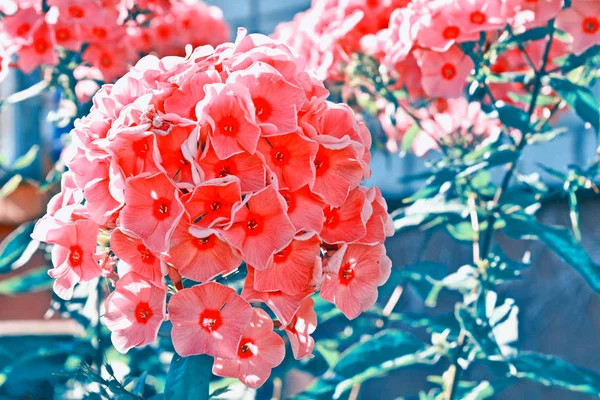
x,y
537,85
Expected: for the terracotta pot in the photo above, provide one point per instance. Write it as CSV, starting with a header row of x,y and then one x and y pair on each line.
x,y
24,204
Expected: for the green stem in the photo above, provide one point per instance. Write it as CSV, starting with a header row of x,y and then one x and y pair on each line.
x,y
537,85
455,368
100,347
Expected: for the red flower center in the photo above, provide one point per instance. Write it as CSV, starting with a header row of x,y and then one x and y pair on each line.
x,y
290,201
245,350
186,23
321,165
163,31
224,168
75,256
591,25
63,34
204,243
253,225
331,217
99,32
140,148
145,254
162,208
106,60
451,32
41,45
143,312
478,18
448,71
346,273
210,320
215,206
76,12
263,108
229,126
283,255
23,29
223,173
280,155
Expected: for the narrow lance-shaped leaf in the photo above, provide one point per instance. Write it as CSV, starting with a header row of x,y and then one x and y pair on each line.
x,y
9,187
553,371
514,117
15,245
384,352
573,61
26,159
559,240
479,331
31,281
580,98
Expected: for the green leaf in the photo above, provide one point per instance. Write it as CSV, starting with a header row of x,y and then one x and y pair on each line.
x,y
189,378
479,331
463,231
379,348
422,277
432,186
574,61
219,392
33,281
27,159
409,136
486,389
553,371
10,186
546,136
16,245
529,35
525,99
386,351
580,99
559,240
320,389
328,350
220,386
502,268
140,384
514,117
47,363
421,211
432,323
25,94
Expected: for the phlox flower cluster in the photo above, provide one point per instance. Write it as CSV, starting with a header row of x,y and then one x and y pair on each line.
x,y
418,43
107,36
455,122
188,167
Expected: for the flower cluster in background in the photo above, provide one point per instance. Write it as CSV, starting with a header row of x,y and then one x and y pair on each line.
x,y
419,46
188,167
101,39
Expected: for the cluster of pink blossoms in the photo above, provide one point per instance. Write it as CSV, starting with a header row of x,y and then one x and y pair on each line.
x,y
418,43
110,34
418,40
190,166
453,122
